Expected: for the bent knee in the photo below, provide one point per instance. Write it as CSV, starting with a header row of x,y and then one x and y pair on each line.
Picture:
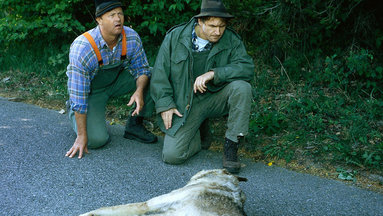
x,y
240,89
97,141
241,86
172,157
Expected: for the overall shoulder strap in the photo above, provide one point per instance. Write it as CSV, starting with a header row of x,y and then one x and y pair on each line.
x,y
95,48
97,51
123,51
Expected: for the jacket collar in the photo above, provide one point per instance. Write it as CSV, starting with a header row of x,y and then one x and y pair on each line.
x,y
185,38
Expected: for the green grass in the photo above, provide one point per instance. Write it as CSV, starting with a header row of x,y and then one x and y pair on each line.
x,y
294,119
33,73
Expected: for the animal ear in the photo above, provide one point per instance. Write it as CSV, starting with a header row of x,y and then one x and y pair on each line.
x,y
241,179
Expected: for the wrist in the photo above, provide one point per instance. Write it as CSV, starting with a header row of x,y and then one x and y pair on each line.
x,y
140,90
82,136
211,74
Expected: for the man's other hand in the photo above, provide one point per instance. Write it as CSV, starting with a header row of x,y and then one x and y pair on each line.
x,y
138,98
201,81
167,117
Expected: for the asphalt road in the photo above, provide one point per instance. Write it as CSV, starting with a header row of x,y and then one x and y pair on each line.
x,y
36,178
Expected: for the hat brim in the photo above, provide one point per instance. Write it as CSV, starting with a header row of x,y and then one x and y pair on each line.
x,y
214,14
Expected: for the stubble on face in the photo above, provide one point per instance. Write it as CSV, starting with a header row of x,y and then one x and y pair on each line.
x,y
212,29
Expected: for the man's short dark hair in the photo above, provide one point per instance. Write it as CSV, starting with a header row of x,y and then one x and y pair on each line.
x,y
207,18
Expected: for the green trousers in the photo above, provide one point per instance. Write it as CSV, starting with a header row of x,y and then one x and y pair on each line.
x,y
96,124
234,99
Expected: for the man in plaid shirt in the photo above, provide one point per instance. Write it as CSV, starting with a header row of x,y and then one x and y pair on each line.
x,y
107,61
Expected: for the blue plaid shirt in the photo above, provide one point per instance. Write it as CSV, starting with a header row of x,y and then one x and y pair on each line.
x,y
83,63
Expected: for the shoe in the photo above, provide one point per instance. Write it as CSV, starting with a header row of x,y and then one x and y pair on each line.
x,y
206,136
136,130
230,158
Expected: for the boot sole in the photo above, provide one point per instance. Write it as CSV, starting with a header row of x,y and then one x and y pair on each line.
x,y
232,170
232,166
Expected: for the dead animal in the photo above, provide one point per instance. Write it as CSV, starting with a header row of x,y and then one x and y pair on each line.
x,y
208,193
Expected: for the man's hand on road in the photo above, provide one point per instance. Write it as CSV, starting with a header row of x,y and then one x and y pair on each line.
x,y
201,81
167,117
80,146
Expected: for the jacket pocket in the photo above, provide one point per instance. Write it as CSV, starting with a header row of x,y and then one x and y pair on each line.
x,y
178,57
179,67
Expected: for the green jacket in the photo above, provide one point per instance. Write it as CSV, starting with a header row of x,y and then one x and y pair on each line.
x,y
171,83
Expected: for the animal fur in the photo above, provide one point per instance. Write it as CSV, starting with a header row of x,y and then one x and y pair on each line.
x,y
208,193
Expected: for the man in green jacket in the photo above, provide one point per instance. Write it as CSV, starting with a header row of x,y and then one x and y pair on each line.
x,y
202,71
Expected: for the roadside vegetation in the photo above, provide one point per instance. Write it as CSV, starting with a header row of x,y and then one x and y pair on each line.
x,y
318,105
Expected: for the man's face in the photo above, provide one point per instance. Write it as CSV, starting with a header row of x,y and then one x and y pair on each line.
x,y
212,29
111,23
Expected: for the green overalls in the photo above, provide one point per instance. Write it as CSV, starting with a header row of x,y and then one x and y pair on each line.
x,y
111,81
234,99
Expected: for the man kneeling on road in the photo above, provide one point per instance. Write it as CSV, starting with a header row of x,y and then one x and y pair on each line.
x,y
202,71
107,61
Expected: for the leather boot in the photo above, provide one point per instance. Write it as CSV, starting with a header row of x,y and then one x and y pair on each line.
x,y
136,130
230,158
206,136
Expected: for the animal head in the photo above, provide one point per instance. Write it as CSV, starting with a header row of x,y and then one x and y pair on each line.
x,y
220,183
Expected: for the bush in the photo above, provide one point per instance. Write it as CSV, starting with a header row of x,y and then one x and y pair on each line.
x,y
152,19
51,20
358,71
285,29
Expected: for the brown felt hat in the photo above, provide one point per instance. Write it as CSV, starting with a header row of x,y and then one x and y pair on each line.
x,y
214,8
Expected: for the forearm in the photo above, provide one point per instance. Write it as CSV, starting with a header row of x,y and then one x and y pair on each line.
x,y
81,142
161,89
141,83
81,125
241,67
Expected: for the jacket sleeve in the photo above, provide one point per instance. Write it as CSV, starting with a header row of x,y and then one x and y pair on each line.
x,y
240,67
160,88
